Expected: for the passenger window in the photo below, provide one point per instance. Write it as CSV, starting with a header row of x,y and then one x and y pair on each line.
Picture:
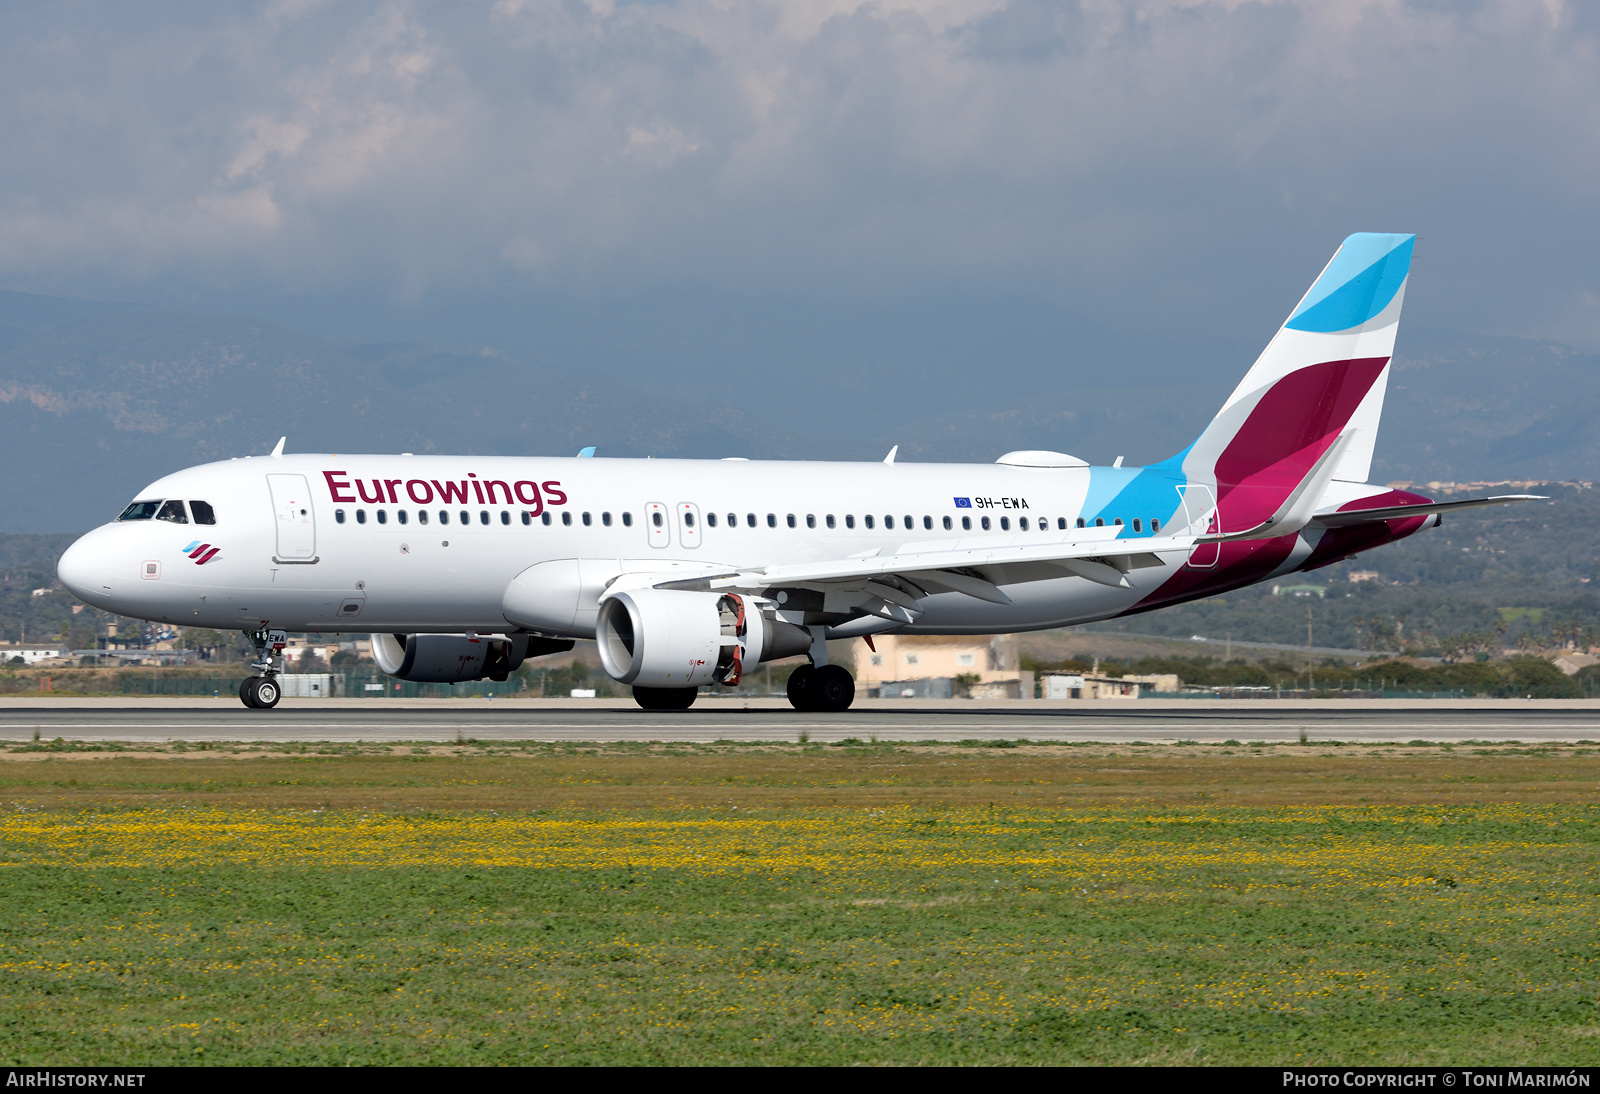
x,y
733,520
1155,525
888,522
867,520
466,517
338,516
1080,522
483,516
1099,522
400,515
1117,522
588,521
657,519
140,510
811,520
789,520
527,517
361,516
444,516
422,516
1005,524
750,519
627,520
173,511
1136,526
1061,523
605,518
566,519
946,523
505,516
772,520
910,523
202,512
544,518
850,520
711,520
1022,523
985,523
966,524
383,517
830,520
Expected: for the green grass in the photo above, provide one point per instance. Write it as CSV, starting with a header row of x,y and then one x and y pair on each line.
x,y
1274,935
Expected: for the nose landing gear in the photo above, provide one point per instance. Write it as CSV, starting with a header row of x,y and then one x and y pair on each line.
x,y
262,692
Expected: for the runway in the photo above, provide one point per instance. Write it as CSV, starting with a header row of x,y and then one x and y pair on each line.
x,y
760,720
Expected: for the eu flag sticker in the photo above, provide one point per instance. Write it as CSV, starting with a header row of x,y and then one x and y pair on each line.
x,y
963,503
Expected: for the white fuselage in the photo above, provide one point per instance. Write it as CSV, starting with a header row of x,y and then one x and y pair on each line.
x,y
299,543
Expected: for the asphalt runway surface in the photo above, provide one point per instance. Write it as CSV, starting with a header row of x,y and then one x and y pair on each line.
x,y
383,720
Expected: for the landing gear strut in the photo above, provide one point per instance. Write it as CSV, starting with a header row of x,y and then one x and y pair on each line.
x,y
262,692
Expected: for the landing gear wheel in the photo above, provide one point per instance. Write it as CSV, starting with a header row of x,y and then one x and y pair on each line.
x,y
802,688
832,689
268,693
664,698
247,691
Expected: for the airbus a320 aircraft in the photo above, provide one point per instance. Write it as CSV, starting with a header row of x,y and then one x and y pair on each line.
x,y
689,572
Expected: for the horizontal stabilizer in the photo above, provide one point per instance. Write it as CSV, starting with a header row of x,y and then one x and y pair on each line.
x,y
1397,512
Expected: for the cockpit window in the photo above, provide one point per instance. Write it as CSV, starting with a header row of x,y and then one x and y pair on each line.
x,y
203,513
141,510
174,512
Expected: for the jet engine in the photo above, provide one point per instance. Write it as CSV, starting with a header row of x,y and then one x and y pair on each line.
x,y
454,658
666,638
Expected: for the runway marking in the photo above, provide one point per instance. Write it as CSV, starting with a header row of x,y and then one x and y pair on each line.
x,y
1308,724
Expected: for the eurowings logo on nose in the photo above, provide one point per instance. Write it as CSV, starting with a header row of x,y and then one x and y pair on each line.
x,y
202,553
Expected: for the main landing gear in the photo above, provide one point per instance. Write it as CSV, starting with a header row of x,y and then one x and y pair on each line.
x,y
664,698
817,688
825,689
262,692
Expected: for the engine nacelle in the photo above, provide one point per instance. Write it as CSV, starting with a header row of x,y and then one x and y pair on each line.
x,y
667,638
456,658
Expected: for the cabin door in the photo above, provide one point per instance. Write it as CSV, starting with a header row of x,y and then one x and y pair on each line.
x,y
291,508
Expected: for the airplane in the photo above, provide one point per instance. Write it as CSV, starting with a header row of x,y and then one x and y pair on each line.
x,y
688,573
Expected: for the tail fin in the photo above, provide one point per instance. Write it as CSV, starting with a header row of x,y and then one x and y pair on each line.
x,y
1322,377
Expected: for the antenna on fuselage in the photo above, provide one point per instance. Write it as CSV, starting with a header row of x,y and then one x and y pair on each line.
x,y
277,451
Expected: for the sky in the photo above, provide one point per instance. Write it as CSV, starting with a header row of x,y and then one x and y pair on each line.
x,y
474,172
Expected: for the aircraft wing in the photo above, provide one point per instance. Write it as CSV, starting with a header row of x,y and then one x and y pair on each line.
x,y
889,584
1396,512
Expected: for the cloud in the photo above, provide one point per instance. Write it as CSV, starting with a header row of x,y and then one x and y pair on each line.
x,y
1180,163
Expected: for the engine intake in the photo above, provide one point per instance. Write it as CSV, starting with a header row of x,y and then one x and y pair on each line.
x,y
667,638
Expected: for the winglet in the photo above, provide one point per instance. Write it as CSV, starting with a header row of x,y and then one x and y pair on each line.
x,y
586,453
890,457
1298,508
277,452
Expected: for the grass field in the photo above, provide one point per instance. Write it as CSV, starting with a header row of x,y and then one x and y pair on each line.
x,y
865,904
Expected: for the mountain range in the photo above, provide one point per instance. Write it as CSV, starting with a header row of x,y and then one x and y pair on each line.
x,y
97,399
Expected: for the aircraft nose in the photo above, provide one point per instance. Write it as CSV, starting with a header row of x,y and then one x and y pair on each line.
x,y
86,568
